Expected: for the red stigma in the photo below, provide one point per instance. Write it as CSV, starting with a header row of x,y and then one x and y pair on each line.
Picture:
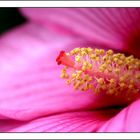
x,y
58,59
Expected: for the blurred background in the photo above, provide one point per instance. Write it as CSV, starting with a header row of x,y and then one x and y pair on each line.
x,y
9,18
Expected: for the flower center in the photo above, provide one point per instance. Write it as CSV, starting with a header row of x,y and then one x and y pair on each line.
x,y
101,71
133,43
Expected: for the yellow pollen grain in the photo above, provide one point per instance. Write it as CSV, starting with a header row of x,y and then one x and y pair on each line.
x,y
72,52
109,69
77,50
132,81
102,51
89,51
115,59
117,70
84,88
90,66
137,76
91,86
77,58
108,62
85,63
122,85
97,51
122,57
122,79
137,64
68,81
101,69
97,90
101,81
112,81
103,86
73,75
86,77
84,68
109,52
78,77
120,62
79,72
110,91
64,75
93,56
97,58
105,58
131,86
89,79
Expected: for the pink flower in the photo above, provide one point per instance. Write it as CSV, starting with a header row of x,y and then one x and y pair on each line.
x,y
33,98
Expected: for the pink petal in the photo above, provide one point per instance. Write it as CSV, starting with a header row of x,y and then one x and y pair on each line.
x,y
30,84
6,125
118,28
68,122
128,120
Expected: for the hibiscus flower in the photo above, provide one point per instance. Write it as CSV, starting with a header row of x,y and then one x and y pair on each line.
x,y
33,97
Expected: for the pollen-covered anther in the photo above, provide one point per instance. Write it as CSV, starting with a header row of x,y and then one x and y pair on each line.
x,y
100,71
93,56
117,70
76,86
110,91
122,79
112,81
84,68
68,81
122,86
109,52
77,58
131,86
102,68
137,76
64,73
109,69
101,81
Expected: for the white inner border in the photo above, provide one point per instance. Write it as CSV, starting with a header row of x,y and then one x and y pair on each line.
x,y
69,135
69,3
65,136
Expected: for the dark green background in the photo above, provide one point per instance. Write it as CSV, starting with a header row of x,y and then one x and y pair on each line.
x,y
9,18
